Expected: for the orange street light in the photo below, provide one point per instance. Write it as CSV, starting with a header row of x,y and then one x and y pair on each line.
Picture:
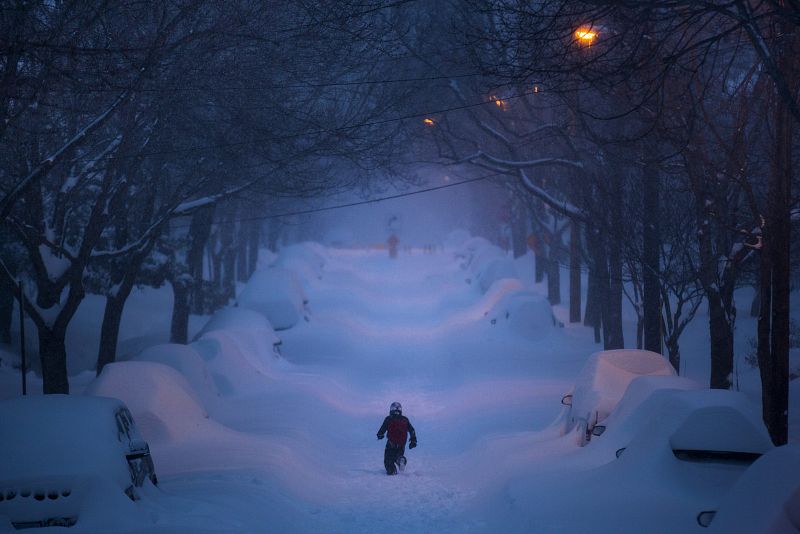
x,y
585,35
428,121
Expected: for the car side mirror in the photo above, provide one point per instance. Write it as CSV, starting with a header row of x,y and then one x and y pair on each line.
x,y
139,446
598,430
566,400
706,517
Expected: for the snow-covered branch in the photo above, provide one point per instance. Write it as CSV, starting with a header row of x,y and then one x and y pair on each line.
x,y
8,201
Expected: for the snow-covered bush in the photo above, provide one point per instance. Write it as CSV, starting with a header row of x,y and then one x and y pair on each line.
x,y
456,239
277,294
160,398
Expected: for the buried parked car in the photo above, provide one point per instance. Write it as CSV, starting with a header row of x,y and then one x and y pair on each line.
x,y
697,442
55,449
601,384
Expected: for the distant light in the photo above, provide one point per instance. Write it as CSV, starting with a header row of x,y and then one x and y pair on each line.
x,y
428,121
499,102
535,88
586,35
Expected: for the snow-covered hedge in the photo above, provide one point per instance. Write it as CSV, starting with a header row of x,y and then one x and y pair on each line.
x,y
277,294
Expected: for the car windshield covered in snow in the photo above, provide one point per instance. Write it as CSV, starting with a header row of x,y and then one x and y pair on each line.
x,y
57,448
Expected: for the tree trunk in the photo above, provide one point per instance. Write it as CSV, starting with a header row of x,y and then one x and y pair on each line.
x,y
519,236
721,342
253,244
553,278
651,271
199,232
773,323
612,309
179,327
53,354
273,235
109,331
242,243
575,273
6,312
228,253
674,352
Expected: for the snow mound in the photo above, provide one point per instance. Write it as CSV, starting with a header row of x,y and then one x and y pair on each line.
x,y
493,270
234,366
277,294
525,313
185,360
159,397
766,498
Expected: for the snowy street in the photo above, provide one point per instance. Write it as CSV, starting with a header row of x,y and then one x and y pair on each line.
x,y
301,454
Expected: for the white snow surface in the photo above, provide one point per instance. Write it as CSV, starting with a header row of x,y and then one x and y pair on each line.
x,y
244,441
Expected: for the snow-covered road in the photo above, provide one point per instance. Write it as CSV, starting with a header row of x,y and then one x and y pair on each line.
x,y
300,454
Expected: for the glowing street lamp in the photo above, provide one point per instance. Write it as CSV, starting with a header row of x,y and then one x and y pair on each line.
x,y
428,121
585,35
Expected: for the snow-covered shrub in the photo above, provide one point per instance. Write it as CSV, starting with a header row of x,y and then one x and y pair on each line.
x,y
277,294
160,398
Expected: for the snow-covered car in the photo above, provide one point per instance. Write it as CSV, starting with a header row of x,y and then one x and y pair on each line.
x,y
765,499
601,384
277,294
55,449
697,442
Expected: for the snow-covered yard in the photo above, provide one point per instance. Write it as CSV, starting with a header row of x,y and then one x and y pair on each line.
x,y
245,441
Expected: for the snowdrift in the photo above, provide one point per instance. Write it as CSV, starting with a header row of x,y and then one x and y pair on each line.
x,y
162,402
277,294
241,321
493,270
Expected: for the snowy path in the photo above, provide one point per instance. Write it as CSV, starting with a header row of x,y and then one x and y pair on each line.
x,y
301,455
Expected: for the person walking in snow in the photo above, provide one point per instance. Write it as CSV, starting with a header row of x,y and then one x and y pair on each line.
x,y
398,427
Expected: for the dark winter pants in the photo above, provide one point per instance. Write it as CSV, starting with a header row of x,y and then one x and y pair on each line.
x,y
390,456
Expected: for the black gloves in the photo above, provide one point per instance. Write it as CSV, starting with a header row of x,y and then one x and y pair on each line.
x,y
380,436
412,444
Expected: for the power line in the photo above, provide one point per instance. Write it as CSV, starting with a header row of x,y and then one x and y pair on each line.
x,y
349,204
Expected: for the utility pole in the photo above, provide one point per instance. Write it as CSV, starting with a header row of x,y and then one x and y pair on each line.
x,y
22,339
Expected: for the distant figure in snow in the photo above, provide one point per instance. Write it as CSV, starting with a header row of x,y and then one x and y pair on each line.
x,y
398,426
392,241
